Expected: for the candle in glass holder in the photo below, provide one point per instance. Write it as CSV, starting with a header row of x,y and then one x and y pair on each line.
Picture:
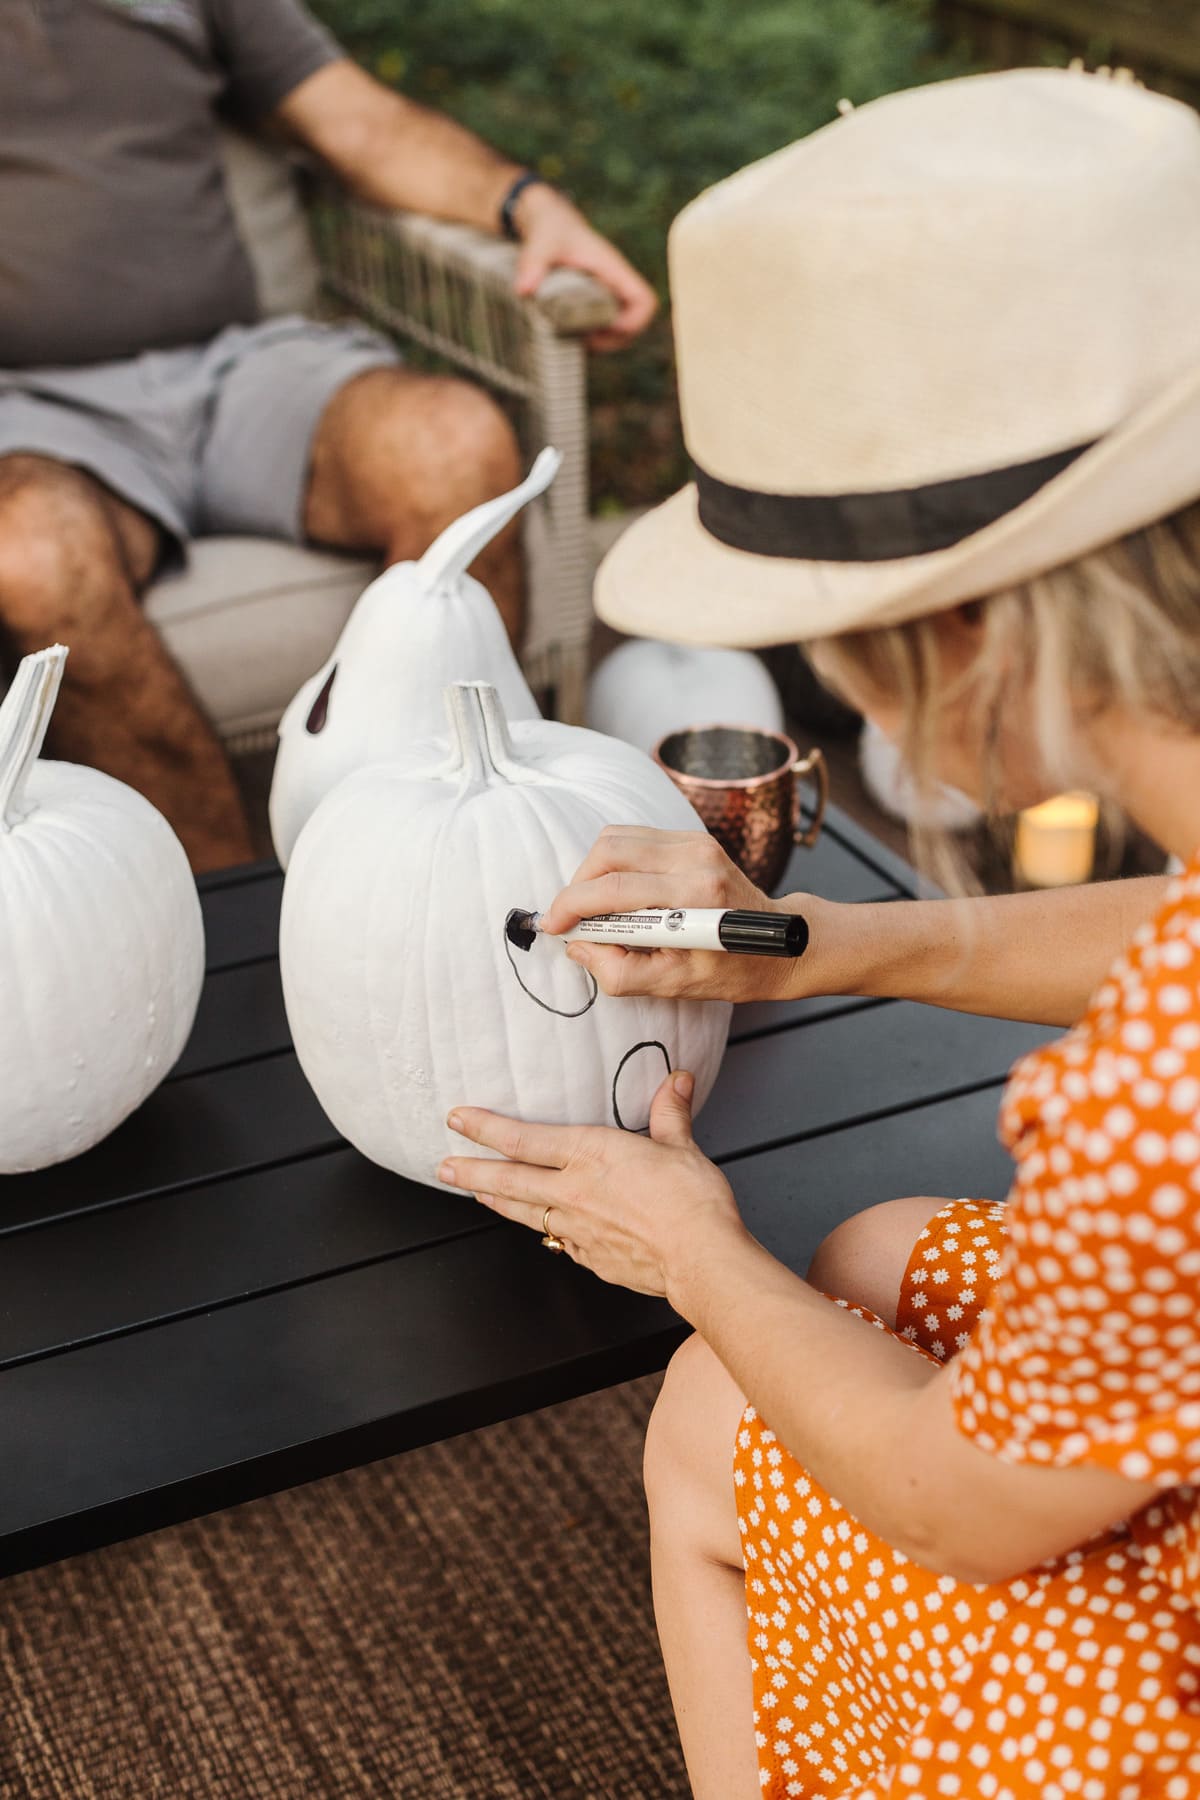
x,y
1056,842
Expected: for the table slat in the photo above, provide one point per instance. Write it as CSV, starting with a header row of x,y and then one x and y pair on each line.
x,y
836,871
189,1131
130,1434
241,920
240,1016
761,1018
793,1197
124,1267
853,1066
873,854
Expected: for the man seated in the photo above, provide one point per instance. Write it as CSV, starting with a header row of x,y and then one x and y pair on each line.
x,y
142,400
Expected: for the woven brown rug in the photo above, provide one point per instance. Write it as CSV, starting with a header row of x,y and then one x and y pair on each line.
x,y
470,1620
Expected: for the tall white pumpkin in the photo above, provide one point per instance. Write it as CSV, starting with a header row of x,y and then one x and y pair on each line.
x,y
645,689
417,627
403,992
101,940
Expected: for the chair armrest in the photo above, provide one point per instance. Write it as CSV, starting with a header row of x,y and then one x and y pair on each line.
x,y
572,303
449,290
447,286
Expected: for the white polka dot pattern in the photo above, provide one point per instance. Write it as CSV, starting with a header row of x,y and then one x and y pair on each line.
x,y
1073,1319
1089,1351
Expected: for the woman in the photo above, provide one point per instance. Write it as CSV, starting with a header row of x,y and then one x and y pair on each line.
x,y
940,376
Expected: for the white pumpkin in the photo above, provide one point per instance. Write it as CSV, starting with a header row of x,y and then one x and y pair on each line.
x,y
644,689
417,627
403,992
101,940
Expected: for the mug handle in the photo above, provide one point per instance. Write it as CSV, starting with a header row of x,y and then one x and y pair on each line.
x,y
813,764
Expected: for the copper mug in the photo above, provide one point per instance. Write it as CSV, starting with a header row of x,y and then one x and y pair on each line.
x,y
746,786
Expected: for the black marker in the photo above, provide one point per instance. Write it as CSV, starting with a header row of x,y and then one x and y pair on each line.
x,y
679,928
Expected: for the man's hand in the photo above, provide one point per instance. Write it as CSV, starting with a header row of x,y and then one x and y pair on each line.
x,y
555,235
396,153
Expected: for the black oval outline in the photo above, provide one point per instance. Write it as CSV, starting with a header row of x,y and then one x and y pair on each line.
x,y
557,1011
646,1044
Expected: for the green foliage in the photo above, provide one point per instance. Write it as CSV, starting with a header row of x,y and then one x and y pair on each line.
x,y
635,108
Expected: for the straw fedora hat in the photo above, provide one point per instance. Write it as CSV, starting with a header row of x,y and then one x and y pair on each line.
x,y
947,342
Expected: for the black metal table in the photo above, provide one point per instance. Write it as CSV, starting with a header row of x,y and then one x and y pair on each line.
x,y
224,1299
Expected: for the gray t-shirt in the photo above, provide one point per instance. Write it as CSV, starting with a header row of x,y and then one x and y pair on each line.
x,y
116,233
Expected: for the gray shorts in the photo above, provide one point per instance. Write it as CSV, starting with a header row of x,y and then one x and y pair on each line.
x,y
215,439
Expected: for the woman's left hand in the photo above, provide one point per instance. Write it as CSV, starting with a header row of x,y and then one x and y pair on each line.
x,y
638,1212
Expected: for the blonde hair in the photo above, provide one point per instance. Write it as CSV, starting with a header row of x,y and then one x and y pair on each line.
x,y
1118,627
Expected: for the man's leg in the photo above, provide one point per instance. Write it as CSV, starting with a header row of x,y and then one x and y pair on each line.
x,y
73,559
397,456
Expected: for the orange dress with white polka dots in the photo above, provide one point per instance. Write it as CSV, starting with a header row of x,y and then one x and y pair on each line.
x,y
1072,1316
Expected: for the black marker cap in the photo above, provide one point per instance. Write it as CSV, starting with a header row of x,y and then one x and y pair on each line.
x,y
764,934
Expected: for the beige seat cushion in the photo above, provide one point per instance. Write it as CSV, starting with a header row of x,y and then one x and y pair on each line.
x,y
272,224
249,619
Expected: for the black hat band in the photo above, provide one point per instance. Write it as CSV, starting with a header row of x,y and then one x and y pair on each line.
x,y
878,527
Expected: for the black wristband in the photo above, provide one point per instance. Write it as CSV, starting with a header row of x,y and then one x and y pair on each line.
x,y
508,224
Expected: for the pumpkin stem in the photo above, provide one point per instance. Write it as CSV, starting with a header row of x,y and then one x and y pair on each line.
x,y
24,717
499,740
481,748
450,555
469,759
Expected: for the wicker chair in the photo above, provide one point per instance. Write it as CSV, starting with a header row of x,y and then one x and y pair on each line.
x,y
249,619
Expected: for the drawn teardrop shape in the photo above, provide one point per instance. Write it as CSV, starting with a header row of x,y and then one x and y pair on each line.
x,y
534,970
637,1080
319,711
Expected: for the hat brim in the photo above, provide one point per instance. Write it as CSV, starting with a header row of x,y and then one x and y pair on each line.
x,y
667,577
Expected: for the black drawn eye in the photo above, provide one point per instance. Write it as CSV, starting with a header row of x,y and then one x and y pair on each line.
x,y
623,1079
532,960
319,711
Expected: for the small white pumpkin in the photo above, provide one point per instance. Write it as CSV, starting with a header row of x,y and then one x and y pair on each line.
x,y
645,689
405,995
418,626
101,940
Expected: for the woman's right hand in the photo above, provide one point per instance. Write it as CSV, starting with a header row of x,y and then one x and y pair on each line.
x,y
632,867
1036,956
